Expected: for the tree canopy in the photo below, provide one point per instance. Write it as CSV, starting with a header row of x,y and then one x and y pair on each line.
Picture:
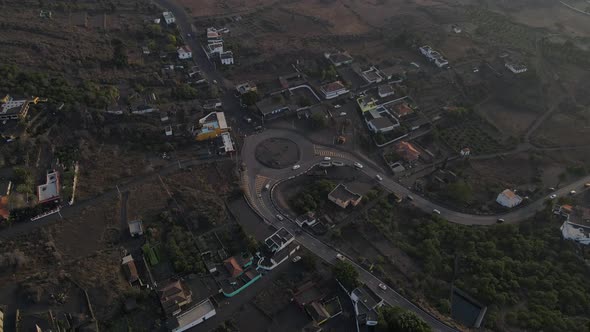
x,y
346,274
396,319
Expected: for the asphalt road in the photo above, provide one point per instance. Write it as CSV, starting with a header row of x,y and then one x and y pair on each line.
x,y
256,176
308,158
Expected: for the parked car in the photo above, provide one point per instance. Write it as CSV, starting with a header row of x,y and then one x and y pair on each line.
x,y
358,165
296,167
327,158
342,113
552,196
500,220
436,211
280,217
340,257
587,184
296,259
382,286
267,186
337,106
573,192
410,197
379,177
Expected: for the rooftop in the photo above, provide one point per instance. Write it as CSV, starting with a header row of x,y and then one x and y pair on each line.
x,y
332,87
342,193
195,313
49,190
10,106
339,58
367,297
233,267
278,239
407,151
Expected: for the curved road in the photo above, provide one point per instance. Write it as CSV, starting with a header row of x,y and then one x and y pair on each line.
x,y
312,154
256,177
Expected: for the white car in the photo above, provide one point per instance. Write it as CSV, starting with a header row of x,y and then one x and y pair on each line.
x,y
358,165
267,186
342,113
573,192
340,257
280,217
296,167
337,106
296,259
327,158
435,211
552,196
379,177
382,286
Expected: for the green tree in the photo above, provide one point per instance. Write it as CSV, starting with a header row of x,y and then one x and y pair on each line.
x,y
460,191
250,98
395,319
171,39
346,274
319,121
119,53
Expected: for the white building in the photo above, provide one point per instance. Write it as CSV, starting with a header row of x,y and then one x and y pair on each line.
x,y
576,226
215,48
333,90
434,56
516,68
226,58
169,17
193,316
575,232
508,199
184,52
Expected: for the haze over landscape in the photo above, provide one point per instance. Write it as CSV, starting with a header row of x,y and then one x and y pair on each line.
x,y
301,165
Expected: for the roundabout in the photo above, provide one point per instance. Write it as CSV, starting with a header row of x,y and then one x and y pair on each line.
x,y
277,153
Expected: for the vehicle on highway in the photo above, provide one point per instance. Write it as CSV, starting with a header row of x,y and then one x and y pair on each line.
x,y
337,163
500,220
296,259
573,192
327,158
379,177
382,286
552,196
340,257
358,165
436,211
280,217
297,166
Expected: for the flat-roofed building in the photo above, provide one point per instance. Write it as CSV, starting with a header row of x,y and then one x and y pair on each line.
x,y
343,197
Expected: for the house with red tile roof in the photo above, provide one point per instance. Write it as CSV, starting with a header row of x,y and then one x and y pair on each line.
x,y
407,151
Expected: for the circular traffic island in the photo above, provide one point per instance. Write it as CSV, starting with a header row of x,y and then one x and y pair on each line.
x,y
277,153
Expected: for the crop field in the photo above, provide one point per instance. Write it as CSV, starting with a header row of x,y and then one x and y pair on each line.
x,y
499,30
473,133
